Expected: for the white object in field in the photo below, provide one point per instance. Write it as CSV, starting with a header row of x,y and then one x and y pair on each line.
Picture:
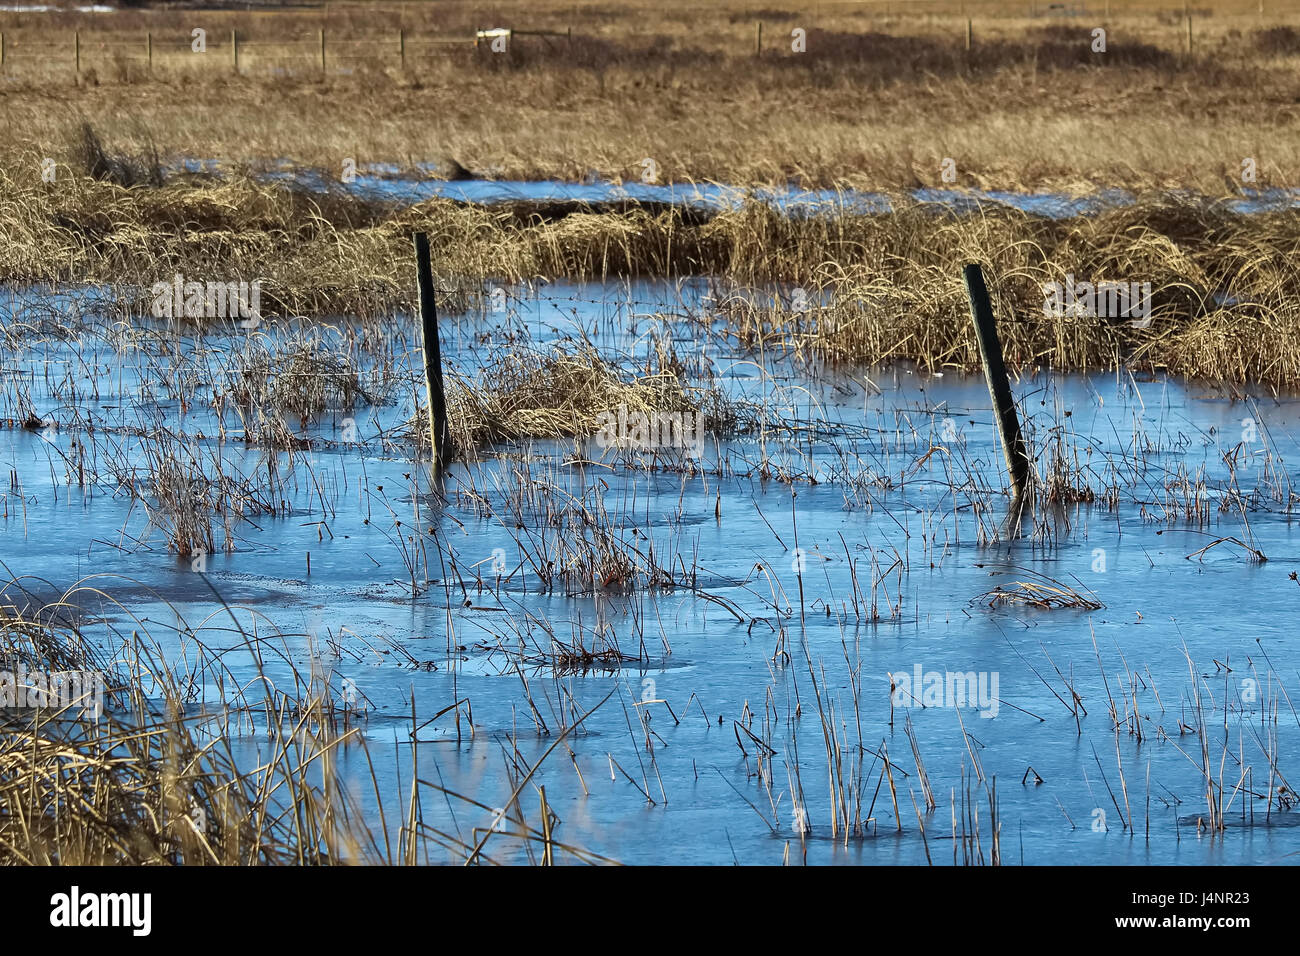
x,y
498,40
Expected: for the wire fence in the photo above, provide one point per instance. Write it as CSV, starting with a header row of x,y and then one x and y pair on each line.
x,y
80,51
24,49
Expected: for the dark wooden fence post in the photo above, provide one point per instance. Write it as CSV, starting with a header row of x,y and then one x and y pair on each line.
x,y
1004,405
439,432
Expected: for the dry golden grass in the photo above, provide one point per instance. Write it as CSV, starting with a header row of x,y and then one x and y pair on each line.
x,y
1224,286
561,393
1045,595
877,100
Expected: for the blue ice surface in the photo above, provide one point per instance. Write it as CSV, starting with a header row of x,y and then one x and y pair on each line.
x,y
388,181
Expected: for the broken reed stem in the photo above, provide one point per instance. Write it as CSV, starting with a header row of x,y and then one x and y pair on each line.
x,y
893,792
547,859
925,843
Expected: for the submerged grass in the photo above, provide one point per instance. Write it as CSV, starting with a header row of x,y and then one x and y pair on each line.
x,y
157,778
146,782
1044,594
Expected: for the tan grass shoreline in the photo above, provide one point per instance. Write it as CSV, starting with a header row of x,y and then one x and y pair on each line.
x,y
1224,300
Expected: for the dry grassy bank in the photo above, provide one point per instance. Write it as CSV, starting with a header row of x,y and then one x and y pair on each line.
x,y
1223,283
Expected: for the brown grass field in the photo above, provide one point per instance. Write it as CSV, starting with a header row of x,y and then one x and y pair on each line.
x,y
883,93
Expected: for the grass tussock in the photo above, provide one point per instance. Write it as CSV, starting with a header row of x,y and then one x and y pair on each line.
x,y
562,393
191,494
302,377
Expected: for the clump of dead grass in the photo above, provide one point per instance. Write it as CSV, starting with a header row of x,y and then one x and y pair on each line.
x,y
1044,594
299,376
561,393
145,782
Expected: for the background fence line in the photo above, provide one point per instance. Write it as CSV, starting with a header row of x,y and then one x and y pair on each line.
x,y
333,50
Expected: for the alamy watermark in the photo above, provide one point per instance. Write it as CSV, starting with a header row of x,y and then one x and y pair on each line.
x,y
77,909
72,692
946,689
645,431
1106,300
179,299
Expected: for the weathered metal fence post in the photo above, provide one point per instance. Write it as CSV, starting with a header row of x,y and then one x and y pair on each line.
x,y
439,432
1004,404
